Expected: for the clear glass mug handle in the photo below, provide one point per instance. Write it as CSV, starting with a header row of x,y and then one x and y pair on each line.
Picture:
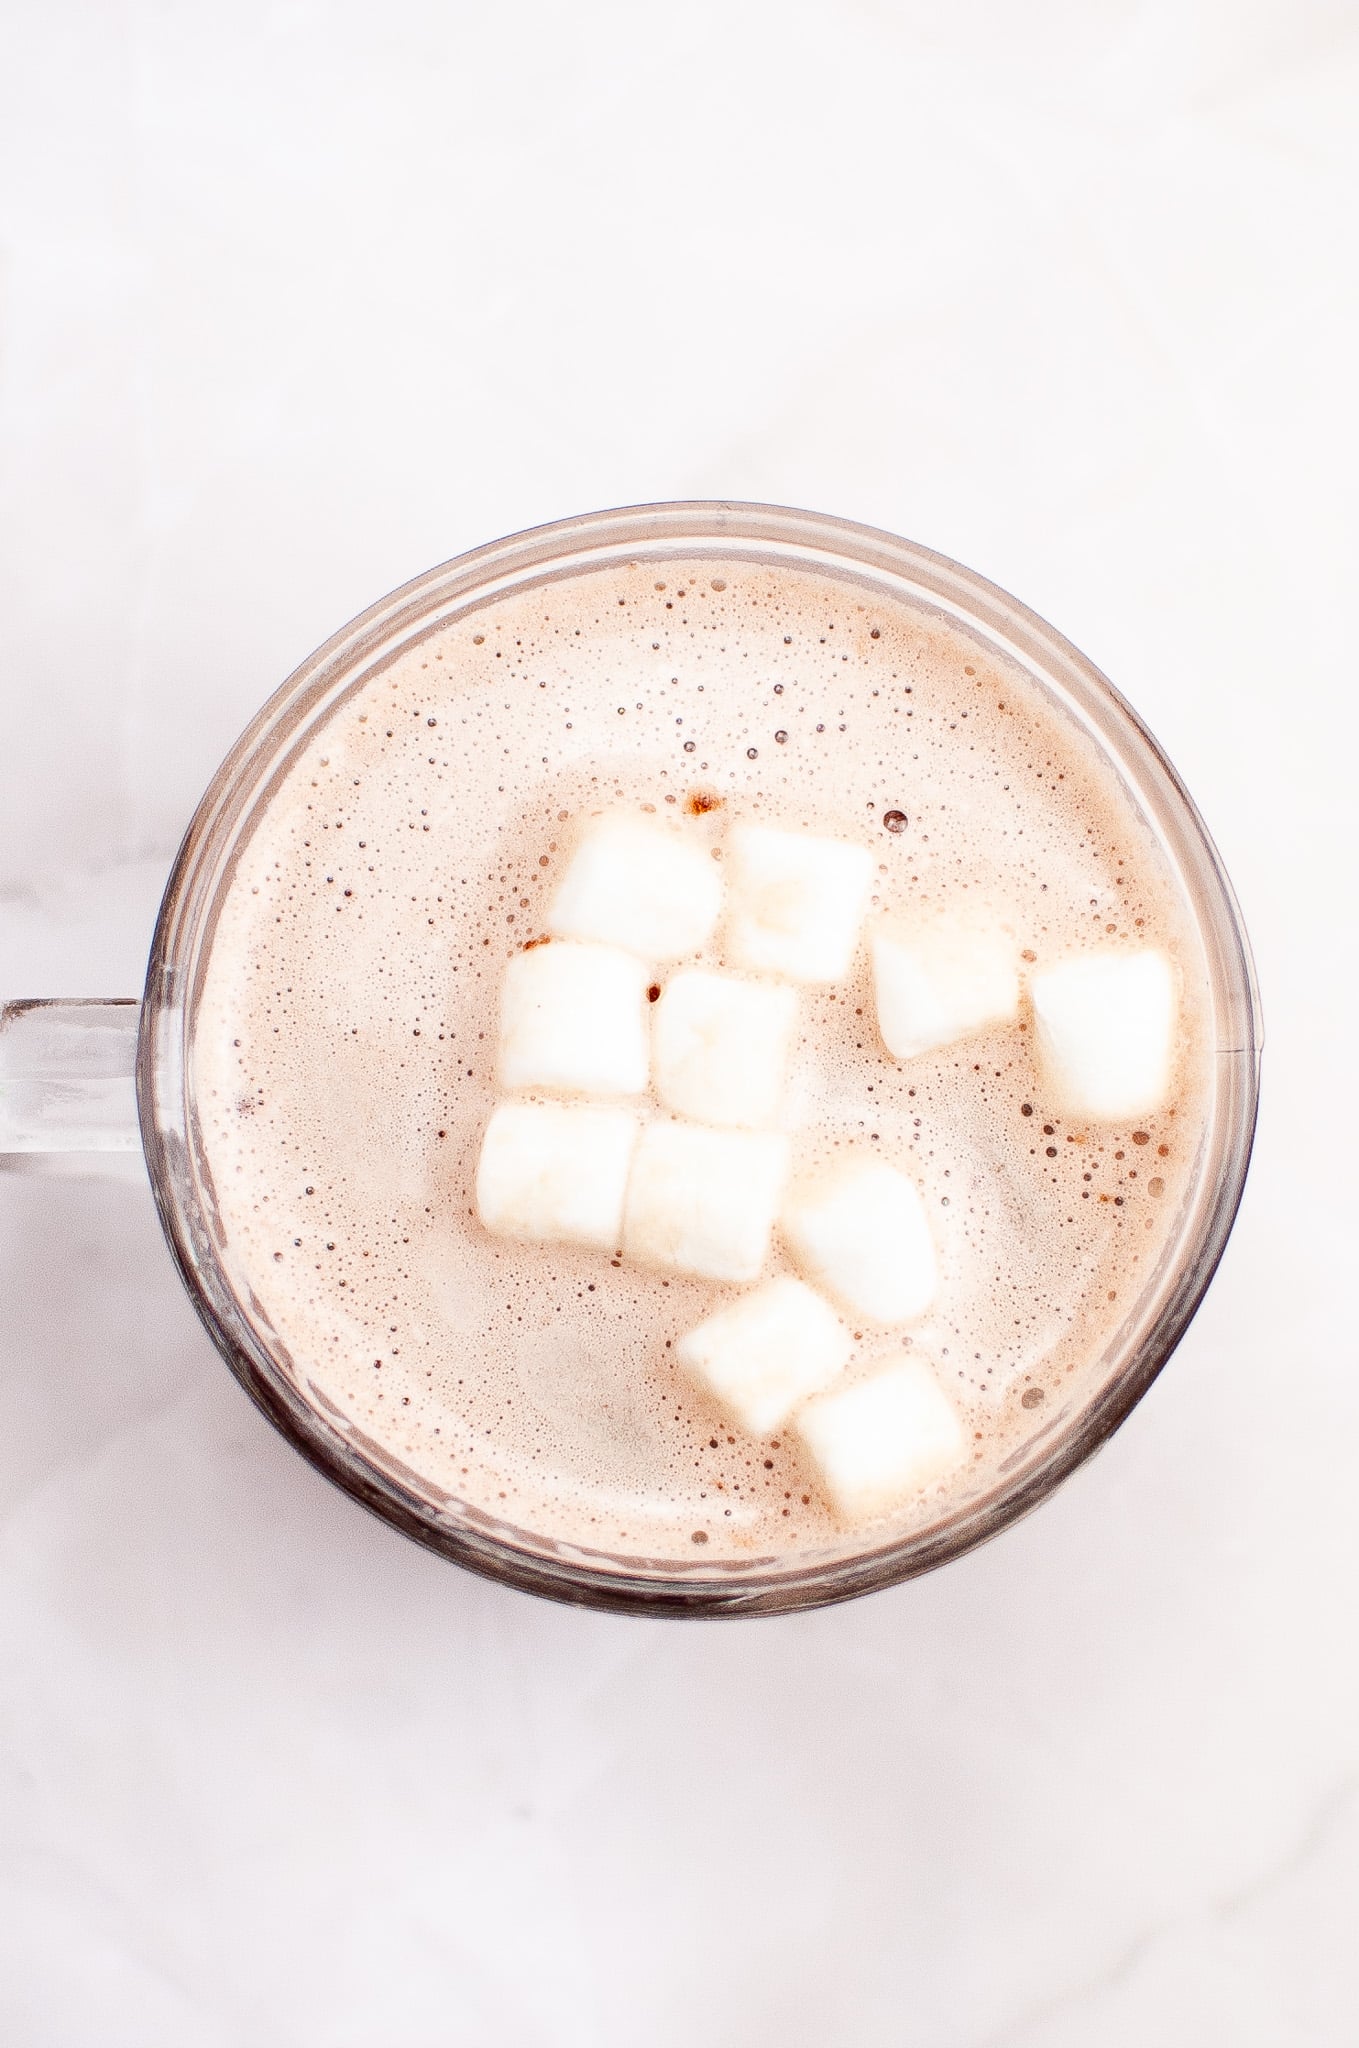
x,y
68,1099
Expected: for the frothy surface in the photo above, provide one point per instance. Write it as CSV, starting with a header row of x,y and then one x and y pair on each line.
x,y
345,1044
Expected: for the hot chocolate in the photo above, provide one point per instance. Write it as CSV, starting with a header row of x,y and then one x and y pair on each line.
x,y
348,1058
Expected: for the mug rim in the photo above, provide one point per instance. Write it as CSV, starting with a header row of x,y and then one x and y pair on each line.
x,y
219,827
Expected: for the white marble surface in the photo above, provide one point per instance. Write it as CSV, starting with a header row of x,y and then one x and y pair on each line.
x,y
297,299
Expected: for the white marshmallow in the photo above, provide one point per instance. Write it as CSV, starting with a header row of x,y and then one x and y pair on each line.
x,y
721,1047
704,1201
941,982
881,1439
632,882
1104,1033
767,1352
574,1019
860,1231
795,902
556,1172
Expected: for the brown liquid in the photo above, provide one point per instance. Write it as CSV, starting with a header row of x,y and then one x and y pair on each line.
x,y
345,1045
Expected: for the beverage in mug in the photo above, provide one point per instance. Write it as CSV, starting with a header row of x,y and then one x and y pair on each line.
x,y
706,1070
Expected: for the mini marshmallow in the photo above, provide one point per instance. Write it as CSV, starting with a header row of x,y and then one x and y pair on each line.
x,y
941,982
574,1019
795,903
556,1173
721,1047
1104,1026
640,885
860,1232
882,1439
767,1352
704,1201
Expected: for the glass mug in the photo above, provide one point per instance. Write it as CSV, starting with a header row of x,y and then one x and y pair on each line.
x,y
66,1068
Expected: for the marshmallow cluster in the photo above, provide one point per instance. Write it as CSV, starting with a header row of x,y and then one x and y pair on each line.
x,y
622,997
697,1190
1103,1022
